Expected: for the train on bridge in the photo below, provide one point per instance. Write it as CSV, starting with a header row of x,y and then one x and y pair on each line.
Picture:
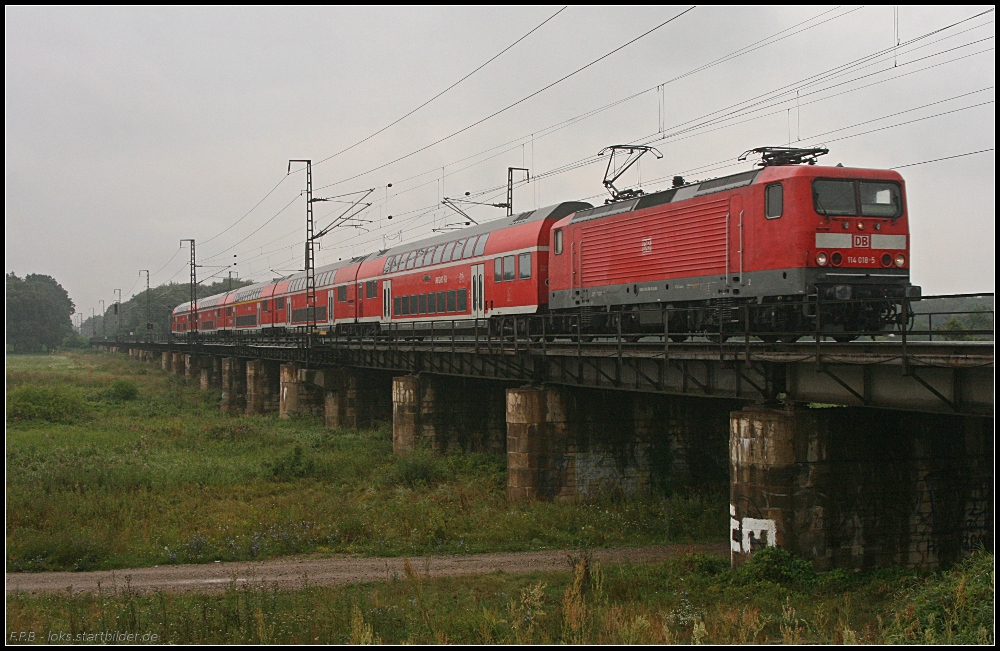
x,y
798,241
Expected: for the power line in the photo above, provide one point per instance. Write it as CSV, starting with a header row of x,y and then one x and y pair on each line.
x,y
245,215
935,160
510,106
398,120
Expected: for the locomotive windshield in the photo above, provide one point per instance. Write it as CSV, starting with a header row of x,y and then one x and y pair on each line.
x,y
835,197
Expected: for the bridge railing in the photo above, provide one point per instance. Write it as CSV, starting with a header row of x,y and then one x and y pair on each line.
x,y
950,317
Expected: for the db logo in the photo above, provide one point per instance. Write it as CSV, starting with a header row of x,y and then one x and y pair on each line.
x,y
862,241
647,245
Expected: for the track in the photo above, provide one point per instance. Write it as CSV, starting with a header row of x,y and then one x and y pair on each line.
x,y
298,573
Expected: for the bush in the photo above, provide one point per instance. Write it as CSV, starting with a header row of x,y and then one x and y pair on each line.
x,y
120,391
47,403
294,465
418,468
777,566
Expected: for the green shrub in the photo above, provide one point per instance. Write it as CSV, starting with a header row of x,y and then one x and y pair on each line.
x,y
43,403
418,468
293,465
777,566
121,391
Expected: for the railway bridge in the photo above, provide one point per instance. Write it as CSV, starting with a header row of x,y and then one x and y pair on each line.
x,y
854,455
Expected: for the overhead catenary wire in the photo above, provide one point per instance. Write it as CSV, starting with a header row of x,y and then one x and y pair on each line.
x,y
924,36
411,112
936,160
516,103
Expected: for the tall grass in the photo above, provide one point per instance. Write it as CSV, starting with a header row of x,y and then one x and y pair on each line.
x,y
147,471
688,600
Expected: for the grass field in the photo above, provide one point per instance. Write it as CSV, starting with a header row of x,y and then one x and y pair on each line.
x,y
774,598
112,463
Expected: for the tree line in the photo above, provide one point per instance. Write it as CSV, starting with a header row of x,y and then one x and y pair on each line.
x,y
130,318
39,314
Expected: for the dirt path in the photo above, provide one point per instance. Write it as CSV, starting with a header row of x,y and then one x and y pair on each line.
x,y
216,577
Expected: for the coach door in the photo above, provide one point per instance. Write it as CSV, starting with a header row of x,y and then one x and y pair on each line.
x,y
478,304
386,300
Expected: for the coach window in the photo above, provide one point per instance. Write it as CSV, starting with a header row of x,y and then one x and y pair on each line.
x,y
773,201
451,300
410,259
431,303
558,241
440,302
524,266
470,246
423,303
447,251
498,270
463,297
395,306
437,254
481,244
456,254
508,268
342,294
413,304
263,305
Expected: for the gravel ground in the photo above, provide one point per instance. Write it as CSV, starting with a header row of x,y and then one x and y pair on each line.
x,y
299,572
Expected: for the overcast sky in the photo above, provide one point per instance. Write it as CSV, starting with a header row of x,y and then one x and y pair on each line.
x,y
130,129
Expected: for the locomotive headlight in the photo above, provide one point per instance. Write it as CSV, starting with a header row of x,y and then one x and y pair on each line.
x,y
861,226
900,259
821,259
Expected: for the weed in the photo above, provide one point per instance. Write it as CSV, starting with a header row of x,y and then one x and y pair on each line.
x,y
53,404
777,566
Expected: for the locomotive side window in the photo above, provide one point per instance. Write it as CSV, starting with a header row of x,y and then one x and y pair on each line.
x,y
773,201
834,197
558,241
524,266
880,199
498,270
508,268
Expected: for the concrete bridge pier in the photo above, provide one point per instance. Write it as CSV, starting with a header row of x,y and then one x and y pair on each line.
x,y
211,372
299,391
167,362
263,386
858,488
178,363
192,367
446,413
234,385
570,443
356,399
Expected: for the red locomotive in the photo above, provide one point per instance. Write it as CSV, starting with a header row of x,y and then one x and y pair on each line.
x,y
798,244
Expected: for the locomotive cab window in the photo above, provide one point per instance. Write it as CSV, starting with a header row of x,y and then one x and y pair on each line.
x,y
558,241
880,199
773,201
834,197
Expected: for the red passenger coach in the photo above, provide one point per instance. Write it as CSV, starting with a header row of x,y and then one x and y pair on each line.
x,y
494,269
